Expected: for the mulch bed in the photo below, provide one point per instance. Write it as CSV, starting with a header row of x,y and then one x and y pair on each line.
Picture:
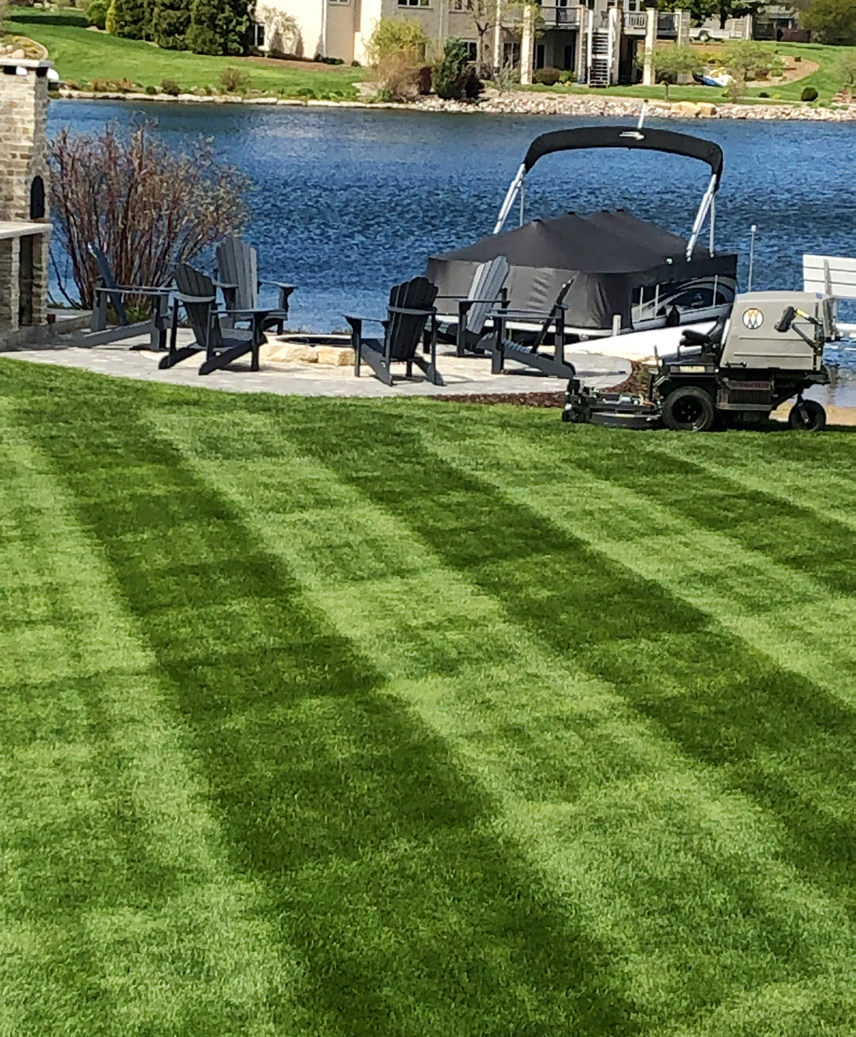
x,y
636,382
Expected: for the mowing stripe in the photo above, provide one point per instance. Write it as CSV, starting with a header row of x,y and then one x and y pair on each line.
x,y
573,768
809,484
368,846
780,611
793,535
779,740
120,914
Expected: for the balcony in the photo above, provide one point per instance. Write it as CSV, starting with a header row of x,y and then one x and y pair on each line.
x,y
633,23
560,17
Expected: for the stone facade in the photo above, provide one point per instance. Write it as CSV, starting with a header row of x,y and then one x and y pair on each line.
x,y
24,193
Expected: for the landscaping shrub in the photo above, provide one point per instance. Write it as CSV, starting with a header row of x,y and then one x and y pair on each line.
x,y
129,19
218,26
235,80
112,86
396,51
148,206
170,22
763,93
808,94
548,76
96,13
449,71
171,87
152,90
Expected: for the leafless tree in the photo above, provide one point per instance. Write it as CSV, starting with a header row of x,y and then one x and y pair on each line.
x,y
145,205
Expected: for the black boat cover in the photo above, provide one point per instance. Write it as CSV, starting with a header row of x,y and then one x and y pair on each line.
x,y
624,137
606,254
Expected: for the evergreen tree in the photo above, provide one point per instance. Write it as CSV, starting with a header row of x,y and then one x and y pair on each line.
x,y
218,26
130,19
170,22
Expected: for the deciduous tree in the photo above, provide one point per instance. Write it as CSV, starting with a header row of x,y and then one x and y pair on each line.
x,y
676,60
832,21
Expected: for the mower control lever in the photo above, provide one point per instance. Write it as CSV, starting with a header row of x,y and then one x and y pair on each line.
x,y
786,320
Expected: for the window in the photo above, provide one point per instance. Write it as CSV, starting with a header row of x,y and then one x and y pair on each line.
x,y
338,1
511,54
472,49
414,3
258,35
456,5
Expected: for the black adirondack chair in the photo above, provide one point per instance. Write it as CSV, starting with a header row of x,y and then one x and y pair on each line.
x,y
108,291
504,348
486,293
411,320
238,279
221,345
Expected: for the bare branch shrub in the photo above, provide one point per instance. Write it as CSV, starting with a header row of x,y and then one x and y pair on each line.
x,y
148,207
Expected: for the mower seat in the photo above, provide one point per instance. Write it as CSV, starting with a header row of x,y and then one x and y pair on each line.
x,y
706,338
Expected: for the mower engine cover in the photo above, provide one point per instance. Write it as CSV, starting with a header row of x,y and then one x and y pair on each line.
x,y
751,341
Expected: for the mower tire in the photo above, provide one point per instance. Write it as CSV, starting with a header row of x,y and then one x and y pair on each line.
x,y
808,416
689,409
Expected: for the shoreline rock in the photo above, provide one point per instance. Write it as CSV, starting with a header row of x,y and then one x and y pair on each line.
x,y
517,103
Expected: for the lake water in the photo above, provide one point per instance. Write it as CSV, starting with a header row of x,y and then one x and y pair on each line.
x,y
347,202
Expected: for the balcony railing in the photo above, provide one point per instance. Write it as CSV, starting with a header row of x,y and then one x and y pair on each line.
x,y
634,22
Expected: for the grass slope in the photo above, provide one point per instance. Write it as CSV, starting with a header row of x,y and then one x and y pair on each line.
x,y
83,55
328,717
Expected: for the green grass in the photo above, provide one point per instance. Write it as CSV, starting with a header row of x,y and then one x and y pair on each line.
x,y
824,80
342,718
82,55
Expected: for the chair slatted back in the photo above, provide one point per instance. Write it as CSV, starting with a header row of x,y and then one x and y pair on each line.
x,y
238,264
109,282
548,323
404,331
192,282
487,284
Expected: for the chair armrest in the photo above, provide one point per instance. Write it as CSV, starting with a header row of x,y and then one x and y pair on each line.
x,y
356,316
195,298
224,284
414,313
278,284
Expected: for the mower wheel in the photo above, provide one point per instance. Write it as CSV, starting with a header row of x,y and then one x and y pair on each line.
x,y
689,409
807,416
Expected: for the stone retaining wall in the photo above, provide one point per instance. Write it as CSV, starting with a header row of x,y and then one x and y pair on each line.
x,y
528,103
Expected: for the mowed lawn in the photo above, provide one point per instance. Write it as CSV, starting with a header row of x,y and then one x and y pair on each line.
x,y
388,718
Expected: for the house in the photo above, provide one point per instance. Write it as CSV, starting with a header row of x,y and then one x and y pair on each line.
x,y
599,42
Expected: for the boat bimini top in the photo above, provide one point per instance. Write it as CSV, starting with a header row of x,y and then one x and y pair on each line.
x,y
624,137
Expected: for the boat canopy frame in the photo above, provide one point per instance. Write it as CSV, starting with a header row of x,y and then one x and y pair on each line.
x,y
589,137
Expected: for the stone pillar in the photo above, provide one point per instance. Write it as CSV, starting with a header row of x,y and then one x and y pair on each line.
x,y
527,44
24,183
682,27
648,75
9,272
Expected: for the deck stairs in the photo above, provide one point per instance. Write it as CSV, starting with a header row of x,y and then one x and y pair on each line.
x,y
601,58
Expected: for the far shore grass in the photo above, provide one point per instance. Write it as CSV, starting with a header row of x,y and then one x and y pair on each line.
x,y
824,80
83,56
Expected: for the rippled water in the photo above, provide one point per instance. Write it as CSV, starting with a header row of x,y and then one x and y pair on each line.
x,y
347,202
